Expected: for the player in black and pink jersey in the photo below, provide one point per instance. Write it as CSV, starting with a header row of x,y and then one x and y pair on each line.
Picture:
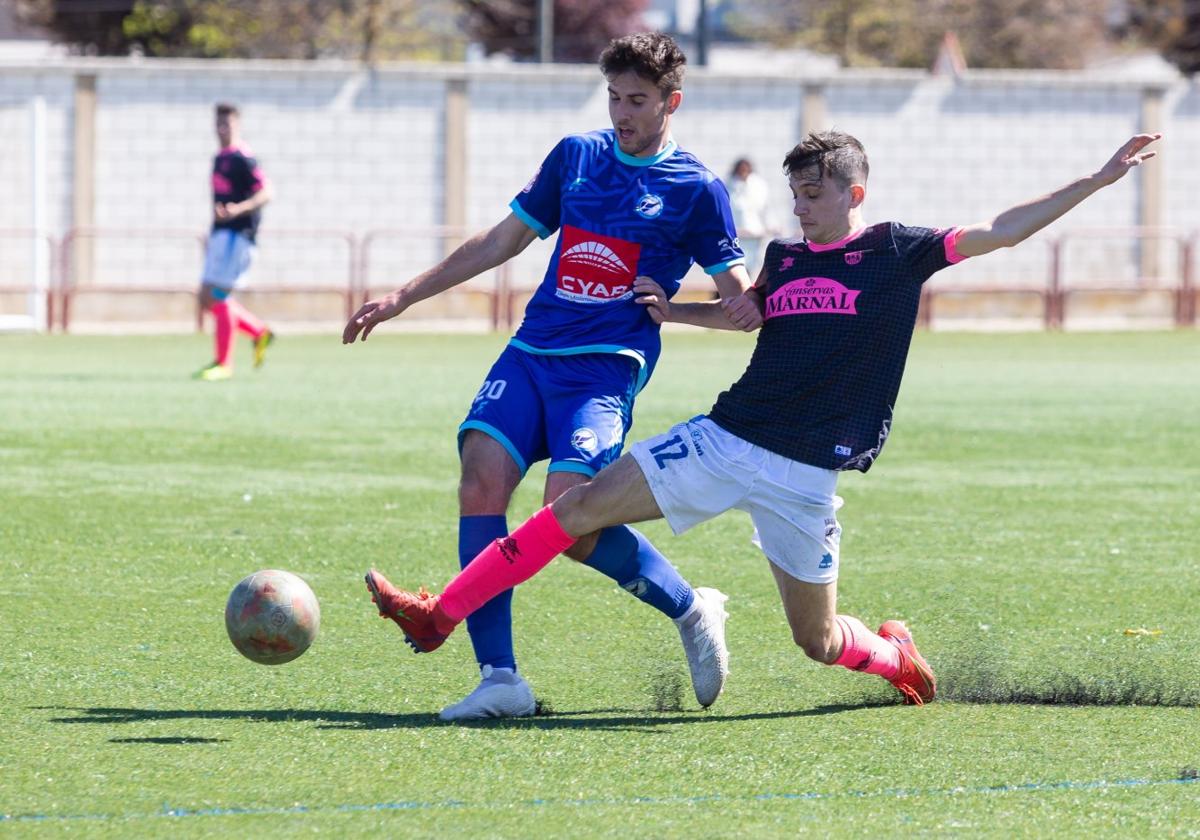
x,y
240,190
816,399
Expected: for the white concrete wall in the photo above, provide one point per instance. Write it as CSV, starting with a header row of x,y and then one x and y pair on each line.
x,y
351,151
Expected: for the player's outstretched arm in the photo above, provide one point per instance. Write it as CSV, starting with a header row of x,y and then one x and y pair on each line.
x,y
481,252
1019,223
735,310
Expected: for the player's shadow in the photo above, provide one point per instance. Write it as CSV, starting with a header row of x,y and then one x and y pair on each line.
x,y
639,720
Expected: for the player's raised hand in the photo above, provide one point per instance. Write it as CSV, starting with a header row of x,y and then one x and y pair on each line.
x,y
744,311
651,295
1127,157
369,314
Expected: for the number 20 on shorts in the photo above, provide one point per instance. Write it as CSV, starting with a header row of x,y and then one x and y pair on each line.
x,y
491,390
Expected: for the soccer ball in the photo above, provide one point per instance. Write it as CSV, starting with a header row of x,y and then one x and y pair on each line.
x,y
272,617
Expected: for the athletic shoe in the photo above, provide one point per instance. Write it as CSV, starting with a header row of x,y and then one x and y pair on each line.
x,y
260,347
501,693
702,630
213,373
915,680
416,613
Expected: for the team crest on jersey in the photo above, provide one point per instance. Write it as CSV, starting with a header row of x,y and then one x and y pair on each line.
x,y
594,268
854,257
585,440
649,206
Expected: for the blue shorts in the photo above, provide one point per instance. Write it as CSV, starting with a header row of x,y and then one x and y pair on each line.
x,y
574,410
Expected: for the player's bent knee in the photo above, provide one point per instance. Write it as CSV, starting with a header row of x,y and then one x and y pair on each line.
x,y
583,547
817,646
477,495
575,510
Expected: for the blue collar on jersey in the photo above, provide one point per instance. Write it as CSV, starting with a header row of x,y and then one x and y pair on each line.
x,y
645,161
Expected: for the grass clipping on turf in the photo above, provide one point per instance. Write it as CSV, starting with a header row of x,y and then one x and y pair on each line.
x,y
1075,676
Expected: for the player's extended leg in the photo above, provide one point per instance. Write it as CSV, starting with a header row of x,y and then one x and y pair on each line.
x,y
618,495
625,555
253,326
833,639
214,299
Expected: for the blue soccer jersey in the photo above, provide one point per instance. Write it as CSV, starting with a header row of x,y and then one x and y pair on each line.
x,y
618,217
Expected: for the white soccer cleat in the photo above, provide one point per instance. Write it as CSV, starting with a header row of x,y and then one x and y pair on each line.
x,y
501,693
702,630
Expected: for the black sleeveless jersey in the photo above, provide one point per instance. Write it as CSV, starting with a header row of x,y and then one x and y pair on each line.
x,y
838,321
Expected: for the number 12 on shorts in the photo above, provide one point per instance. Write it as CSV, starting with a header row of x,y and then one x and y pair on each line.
x,y
671,449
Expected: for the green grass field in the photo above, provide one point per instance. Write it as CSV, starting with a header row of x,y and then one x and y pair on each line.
x,y
1037,500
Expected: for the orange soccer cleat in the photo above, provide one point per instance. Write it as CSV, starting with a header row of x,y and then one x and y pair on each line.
x,y
915,680
418,614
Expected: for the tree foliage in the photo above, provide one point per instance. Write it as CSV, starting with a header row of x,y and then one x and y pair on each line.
x,y
1171,26
91,27
1052,34
582,28
296,29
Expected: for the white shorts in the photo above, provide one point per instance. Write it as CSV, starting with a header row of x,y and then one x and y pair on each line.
x,y
698,470
227,259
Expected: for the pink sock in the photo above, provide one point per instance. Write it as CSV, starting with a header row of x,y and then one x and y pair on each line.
x,y
862,650
246,320
505,563
224,332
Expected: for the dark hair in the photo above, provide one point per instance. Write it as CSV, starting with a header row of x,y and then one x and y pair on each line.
x,y
737,164
225,109
652,55
834,153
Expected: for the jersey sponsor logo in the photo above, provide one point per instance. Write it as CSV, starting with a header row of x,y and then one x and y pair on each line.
x,y
221,184
812,295
649,206
585,440
594,268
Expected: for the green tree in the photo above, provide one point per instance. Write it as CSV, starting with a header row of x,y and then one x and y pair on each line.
x,y
90,27
298,29
907,33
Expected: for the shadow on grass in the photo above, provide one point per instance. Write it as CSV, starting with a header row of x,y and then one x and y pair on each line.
x,y
602,719
176,740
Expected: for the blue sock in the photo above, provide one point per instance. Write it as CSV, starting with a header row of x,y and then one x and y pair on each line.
x,y
490,626
628,557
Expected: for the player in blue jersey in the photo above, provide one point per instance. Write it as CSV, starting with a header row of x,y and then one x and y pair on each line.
x,y
816,399
626,202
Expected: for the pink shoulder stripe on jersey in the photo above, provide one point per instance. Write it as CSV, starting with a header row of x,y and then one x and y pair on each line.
x,y
951,243
841,243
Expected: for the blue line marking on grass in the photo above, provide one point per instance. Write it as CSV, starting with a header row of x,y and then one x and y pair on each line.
x,y
898,793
